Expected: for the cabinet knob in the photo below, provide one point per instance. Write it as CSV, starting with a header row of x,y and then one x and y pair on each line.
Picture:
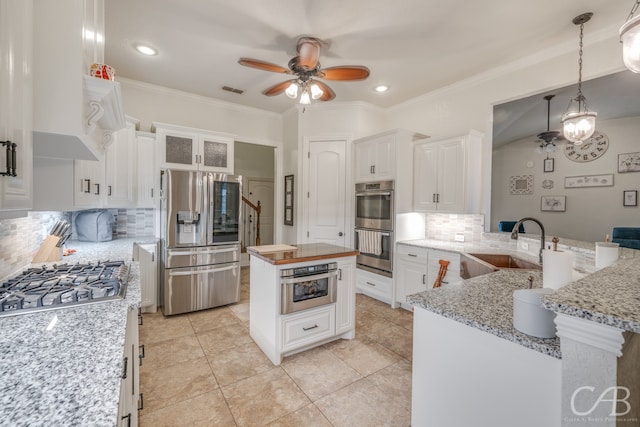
x,y
341,234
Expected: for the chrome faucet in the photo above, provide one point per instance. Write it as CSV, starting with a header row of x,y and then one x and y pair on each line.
x,y
514,233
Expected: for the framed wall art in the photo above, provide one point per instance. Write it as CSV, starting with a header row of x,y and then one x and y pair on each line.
x,y
288,200
553,203
521,184
548,165
630,198
629,162
588,181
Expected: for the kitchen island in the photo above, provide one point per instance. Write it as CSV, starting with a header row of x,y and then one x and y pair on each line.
x,y
471,356
280,330
64,366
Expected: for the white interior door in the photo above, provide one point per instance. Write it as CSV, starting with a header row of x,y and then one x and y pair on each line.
x,y
326,211
259,190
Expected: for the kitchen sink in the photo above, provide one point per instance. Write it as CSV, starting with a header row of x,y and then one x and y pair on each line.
x,y
506,261
477,264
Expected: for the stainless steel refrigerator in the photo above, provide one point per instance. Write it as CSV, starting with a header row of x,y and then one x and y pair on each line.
x,y
200,227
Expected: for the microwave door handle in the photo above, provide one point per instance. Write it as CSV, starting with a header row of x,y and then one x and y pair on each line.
x,y
286,281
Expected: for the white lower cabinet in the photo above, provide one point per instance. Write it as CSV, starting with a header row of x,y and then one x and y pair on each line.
x,y
453,269
374,285
346,301
411,272
417,269
147,255
130,377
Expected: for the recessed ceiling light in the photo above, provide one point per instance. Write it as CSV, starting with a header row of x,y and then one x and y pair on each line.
x,y
382,88
145,50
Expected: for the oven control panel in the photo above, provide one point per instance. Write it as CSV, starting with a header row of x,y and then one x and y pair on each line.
x,y
309,270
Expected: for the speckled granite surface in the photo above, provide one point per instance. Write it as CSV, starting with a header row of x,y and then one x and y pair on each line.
x,y
486,303
610,296
69,375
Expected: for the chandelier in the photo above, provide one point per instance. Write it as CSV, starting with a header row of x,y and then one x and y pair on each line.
x,y
578,123
630,39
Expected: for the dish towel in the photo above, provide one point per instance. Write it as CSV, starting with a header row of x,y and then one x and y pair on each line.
x,y
370,242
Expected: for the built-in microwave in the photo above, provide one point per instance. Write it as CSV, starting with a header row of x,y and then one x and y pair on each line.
x,y
374,205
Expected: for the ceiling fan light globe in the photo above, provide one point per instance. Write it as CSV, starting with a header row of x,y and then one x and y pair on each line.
x,y
630,38
305,98
316,92
292,91
577,127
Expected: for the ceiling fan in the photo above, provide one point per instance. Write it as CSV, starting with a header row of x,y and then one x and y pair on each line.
x,y
306,67
548,137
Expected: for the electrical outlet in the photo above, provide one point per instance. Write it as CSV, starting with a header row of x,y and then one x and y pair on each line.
x,y
524,246
459,237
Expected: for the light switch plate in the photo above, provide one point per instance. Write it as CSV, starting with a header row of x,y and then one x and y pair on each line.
x,y
459,237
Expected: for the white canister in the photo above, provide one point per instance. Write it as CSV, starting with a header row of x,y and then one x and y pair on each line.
x,y
557,268
529,316
606,253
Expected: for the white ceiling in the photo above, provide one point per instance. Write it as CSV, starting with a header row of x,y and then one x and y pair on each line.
x,y
414,46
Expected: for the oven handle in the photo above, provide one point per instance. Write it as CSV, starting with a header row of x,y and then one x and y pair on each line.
x,y
374,193
382,233
191,272
286,281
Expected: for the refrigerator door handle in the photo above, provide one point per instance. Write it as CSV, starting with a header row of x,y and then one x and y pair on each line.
x,y
200,271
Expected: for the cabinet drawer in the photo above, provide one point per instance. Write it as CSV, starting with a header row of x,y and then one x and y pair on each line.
x,y
413,253
308,327
374,285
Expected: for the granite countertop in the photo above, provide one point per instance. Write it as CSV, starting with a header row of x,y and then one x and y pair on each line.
x,y
304,252
610,296
69,374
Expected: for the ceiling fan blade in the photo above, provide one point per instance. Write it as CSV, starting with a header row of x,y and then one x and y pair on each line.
x,y
262,65
308,49
350,72
277,89
327,93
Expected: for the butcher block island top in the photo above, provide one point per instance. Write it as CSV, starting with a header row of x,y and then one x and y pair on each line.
x,y
285,254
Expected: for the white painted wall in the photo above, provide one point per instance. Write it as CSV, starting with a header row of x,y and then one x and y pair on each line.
x,y
590,212
150,103
255,161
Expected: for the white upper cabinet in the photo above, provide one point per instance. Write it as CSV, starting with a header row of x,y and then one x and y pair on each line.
x,y
447,174
16,101
146,193
375,158
74,114
187,148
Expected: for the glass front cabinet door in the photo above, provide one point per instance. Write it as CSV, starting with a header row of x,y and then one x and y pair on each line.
x,y
194,149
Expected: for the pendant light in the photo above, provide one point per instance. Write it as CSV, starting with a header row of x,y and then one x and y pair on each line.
x,y
630,39
548,137
579,123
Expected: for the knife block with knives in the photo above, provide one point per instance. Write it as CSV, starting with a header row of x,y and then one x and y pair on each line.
x,y
51,247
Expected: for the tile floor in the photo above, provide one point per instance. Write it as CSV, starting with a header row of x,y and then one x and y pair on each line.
x,y
203,369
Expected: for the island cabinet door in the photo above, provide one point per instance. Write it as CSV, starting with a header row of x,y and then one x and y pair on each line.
x,y
346,298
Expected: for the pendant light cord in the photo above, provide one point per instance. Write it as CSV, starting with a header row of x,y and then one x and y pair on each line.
x,y
580,97
634,8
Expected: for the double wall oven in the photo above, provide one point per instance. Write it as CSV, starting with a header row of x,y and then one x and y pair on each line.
x,y
374,224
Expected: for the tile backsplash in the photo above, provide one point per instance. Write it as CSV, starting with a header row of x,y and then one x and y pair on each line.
x,y
20,238
446,226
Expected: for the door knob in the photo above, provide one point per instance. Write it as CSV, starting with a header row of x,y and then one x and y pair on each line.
x,y
341,234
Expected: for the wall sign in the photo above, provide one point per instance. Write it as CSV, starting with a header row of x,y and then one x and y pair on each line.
x,y
288,200
588,181
553,203
628,162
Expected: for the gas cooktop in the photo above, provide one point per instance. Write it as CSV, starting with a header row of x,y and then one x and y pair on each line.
x,y
63,285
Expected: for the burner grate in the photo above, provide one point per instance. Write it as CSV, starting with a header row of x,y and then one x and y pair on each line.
x,y
63,285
